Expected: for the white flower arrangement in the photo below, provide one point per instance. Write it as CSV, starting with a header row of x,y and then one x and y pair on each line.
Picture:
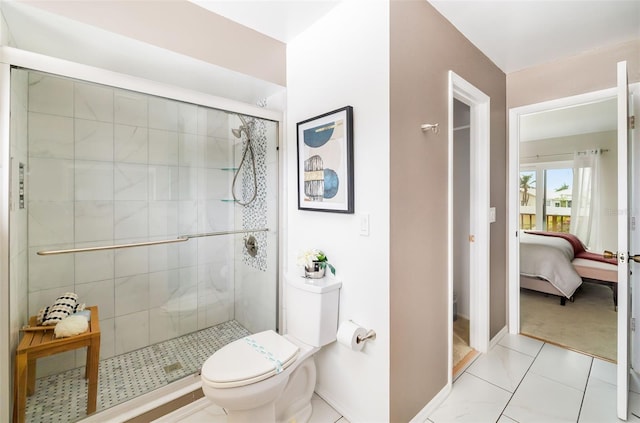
x,y
308,257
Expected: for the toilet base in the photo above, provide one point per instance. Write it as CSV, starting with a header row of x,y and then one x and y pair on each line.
x,y
259,414
291,402
294,404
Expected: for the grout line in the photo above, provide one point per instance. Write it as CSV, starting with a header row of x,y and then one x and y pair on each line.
x,y
490,383
562,383
584,393
521,380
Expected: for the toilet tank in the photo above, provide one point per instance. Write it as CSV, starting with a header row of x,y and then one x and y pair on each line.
x,y
312,309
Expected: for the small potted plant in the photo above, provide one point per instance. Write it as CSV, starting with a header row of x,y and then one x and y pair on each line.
x,y
315,263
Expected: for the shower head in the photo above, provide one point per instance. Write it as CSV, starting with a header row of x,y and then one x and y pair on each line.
x,y
237,132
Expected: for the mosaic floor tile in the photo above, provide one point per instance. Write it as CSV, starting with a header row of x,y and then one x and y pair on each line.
x,y
63,397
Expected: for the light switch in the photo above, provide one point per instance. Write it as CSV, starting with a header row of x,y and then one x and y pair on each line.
x,y
364,224
492,214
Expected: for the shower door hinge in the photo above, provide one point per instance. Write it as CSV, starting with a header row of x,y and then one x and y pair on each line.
x,y
632,122
633,324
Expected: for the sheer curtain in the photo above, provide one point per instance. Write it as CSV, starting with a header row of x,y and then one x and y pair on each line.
x,y
585,222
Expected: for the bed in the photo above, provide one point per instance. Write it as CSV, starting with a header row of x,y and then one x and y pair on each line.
x,y
557,264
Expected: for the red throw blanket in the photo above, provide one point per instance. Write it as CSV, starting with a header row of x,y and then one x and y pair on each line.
x,y
578,248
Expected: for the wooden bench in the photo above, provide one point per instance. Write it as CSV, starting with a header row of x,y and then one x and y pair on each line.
x,y
38,342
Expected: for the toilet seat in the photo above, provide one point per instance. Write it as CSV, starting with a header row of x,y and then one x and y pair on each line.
x,y
249,360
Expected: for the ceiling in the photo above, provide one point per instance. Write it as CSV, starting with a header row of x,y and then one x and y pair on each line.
x,y
279,19
514,34
518,34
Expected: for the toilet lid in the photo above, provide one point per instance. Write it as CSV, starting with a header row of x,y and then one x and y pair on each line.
x,y
249,360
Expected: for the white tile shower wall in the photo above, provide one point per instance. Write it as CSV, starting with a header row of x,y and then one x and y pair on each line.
x,y
108,166
50,136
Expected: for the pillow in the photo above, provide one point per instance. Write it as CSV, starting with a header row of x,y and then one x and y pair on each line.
x,y
65,305
71,326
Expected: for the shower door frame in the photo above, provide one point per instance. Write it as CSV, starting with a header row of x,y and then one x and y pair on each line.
x,y
10,57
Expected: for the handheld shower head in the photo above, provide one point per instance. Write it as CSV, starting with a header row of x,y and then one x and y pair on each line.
x,y
248,149
237,132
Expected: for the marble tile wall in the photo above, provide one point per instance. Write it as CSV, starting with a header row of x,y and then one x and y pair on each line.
x,y
112,166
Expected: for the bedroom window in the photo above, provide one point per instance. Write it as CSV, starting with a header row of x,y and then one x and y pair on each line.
x,y
549,208
527,199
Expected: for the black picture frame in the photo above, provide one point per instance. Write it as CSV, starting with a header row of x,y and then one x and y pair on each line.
x,y
325,162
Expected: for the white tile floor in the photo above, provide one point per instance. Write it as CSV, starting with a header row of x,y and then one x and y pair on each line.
x,y
203,411
528,381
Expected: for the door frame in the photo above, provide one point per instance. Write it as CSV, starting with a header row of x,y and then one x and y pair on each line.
x,y
625,214
479,104
513,195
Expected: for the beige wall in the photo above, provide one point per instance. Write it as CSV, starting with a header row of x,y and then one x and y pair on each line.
x,y
185,28
592,71
424,47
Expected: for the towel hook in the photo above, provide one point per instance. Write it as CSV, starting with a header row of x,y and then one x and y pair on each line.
x,y
433,127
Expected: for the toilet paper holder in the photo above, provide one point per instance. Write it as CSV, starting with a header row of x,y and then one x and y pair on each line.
x,y
369,336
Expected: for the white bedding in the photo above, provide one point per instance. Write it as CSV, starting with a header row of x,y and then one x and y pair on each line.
x,y
549,258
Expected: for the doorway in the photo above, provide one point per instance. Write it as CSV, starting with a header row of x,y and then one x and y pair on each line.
x,y
568,156
622,212
468,205
462,350
517,120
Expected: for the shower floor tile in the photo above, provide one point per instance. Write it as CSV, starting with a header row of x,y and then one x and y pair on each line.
x,y
63,397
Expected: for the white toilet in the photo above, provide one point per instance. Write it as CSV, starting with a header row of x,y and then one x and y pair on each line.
x,y
268,377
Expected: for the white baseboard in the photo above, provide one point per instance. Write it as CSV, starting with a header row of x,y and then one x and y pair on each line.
x,y
428,409
496,339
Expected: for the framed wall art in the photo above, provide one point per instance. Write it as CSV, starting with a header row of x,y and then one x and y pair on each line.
x,y
325,162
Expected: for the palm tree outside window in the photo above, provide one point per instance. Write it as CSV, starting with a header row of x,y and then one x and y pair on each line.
x,y
545,196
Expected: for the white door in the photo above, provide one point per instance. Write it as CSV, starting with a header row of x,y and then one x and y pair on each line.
x,y
624,197
634,233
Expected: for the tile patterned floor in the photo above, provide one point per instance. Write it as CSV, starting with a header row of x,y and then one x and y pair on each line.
x,y
524,380
63,397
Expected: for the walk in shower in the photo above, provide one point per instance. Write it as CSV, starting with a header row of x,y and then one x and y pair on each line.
x,y
100,166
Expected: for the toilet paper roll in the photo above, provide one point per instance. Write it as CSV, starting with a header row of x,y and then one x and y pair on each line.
x,y
348,333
